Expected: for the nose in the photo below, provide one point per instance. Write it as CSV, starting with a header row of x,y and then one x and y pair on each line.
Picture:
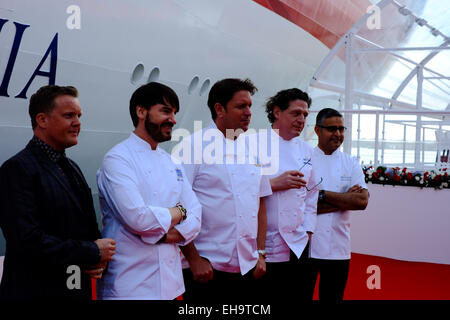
x,y
76,121
338,133
300,119
172,119
248,111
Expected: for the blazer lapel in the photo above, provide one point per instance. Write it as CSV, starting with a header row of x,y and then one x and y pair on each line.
x,y
53,169
80,175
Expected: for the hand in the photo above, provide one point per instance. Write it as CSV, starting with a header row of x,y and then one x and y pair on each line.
x,y
291,179
176,216
356,188
96,271
201,269
260,268
107,248
174,236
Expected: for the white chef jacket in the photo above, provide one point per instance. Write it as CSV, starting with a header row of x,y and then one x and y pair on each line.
x,y
340,171
229,194
293,212
136,186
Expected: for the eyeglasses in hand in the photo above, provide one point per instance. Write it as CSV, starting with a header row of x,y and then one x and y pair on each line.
x,y
304,164
310,189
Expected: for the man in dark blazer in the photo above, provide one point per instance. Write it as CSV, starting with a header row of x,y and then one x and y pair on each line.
x,y
53,244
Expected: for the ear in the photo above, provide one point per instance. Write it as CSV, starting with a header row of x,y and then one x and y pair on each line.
x,y
316,130
220,110
140,112
42,120
276,112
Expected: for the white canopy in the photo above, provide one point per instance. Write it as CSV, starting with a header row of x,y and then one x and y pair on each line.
x,y
392,68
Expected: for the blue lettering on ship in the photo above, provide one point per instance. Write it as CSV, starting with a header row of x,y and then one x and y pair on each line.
x,y
52,51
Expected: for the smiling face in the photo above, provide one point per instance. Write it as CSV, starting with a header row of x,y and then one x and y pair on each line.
x,y
61,126
155,123
291,121
159,122
330,140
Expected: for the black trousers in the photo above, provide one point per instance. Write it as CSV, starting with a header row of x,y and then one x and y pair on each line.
x,y
333,278
290,281
224,287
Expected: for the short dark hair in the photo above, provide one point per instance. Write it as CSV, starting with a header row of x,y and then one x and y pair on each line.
x,y
283,98
150,94
325,114
223,91
43,100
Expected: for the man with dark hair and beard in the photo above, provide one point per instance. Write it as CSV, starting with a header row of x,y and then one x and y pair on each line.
x,y
147,204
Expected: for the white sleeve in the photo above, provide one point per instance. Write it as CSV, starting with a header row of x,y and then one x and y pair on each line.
x,y
190,227
117,182
190,171
358,174
265,189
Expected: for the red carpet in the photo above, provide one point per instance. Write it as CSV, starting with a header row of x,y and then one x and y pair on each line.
x,y
399,280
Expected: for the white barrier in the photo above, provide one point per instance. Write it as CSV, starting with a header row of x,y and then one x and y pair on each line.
x,y
404,223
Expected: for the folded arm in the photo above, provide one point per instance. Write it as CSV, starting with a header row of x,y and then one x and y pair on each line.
x,y
356,198
118,185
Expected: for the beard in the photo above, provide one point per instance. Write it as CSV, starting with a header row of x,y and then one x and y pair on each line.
x,y
155,132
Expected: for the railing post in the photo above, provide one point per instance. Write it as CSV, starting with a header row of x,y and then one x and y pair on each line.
x,y
348,105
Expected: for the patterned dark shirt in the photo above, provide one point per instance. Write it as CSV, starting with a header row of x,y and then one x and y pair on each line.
x,y
64,166
54,155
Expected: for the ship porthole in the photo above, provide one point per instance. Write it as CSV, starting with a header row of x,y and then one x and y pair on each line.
x,y
205,86
154,75
193,84
137,73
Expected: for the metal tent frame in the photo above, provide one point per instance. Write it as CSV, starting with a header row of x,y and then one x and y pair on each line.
x,y
351,49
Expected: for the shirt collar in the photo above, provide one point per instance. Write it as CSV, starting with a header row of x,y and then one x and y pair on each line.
x,y
320,151
53,155
141,143
293,140
212,125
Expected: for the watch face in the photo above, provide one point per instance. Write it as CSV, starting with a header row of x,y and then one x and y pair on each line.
x,y
321,195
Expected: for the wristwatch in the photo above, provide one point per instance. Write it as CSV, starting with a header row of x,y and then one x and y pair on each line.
x,y
321,196
263,253
183,211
